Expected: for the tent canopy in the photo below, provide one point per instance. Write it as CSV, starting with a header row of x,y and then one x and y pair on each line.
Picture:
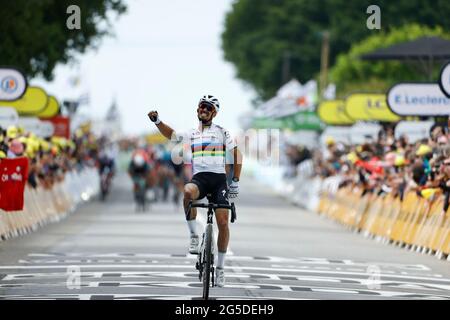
x,y
425,51
425,48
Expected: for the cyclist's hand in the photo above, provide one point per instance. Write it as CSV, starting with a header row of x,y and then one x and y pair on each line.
x,y
233,190
153,115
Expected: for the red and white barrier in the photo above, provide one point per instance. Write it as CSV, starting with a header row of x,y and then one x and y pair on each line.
x,y
43,206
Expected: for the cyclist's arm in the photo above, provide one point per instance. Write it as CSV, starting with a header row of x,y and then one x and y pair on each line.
x,y
237,155
165,130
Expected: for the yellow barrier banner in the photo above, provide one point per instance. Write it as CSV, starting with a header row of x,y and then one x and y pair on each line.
x,y
369,107
415,221
51,110
332,112
33,101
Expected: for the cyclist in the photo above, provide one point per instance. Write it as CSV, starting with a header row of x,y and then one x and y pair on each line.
x,y
106,170
209,144
138,170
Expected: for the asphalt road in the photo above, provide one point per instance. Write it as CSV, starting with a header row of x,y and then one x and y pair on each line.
x,y
277,251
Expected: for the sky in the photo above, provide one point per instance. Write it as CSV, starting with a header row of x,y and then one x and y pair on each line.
x,y
164,56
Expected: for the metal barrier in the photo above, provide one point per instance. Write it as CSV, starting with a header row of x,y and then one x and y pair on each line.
x,y
43,206
415,223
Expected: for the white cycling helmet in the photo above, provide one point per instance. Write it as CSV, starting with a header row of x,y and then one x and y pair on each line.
x,y
211,100
138,160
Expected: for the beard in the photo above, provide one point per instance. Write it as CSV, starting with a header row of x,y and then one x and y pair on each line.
x,y
203,120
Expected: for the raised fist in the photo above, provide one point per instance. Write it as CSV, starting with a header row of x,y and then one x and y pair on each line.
x,y
153,115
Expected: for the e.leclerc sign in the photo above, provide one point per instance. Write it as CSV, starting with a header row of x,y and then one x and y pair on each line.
x,y
12,84
418,99
444,80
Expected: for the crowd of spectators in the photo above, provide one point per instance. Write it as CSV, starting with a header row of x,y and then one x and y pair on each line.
x,y
50,158
295,155
390,165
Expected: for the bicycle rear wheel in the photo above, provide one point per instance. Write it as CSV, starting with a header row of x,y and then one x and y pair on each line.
x,y
207,262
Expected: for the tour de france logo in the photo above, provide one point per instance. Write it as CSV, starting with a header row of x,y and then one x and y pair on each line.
x,y
9,84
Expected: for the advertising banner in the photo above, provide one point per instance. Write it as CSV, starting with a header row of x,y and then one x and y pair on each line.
x,y
290,99
303,120
156,138
61,126
369,107
47,129
418,99
444,80
364,132
33,101
30,124
40,128
8,117
414,130
51,110
12,84
338,133
14,176
332,112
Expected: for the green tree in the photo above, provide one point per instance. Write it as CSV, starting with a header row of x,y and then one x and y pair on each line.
x,y
261,35
35,36
353,74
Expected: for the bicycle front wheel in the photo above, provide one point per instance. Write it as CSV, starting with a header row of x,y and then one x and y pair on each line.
x,y
207,261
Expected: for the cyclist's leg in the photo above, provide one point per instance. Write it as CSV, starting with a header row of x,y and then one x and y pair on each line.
x,y
222,245
194,190
224,232
221,197
191,192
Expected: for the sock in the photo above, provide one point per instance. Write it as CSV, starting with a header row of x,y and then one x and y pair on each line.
x,y
221,259
192,224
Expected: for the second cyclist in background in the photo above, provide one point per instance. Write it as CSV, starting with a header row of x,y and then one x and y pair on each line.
x,y
139,170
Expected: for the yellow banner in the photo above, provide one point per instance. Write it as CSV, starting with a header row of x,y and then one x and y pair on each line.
x,y
51,110
369,107
156,138
33,101
332,112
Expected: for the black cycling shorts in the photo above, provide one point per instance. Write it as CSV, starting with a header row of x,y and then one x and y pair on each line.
x,y
214,184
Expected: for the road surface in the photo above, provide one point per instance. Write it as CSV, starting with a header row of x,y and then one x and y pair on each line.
x,y
277,251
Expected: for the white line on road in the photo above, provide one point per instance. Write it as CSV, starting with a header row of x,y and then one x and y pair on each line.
x,y
259,277
273,259
171,266
247,286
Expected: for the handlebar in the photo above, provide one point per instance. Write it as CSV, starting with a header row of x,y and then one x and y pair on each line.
x,y
213,206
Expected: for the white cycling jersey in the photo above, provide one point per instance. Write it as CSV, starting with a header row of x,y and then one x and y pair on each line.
x,y
208,148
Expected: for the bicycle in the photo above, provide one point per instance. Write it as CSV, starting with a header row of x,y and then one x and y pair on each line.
x,y
105,181
140,193
205,260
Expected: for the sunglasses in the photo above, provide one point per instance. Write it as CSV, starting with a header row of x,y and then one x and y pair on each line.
x,y
206,106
